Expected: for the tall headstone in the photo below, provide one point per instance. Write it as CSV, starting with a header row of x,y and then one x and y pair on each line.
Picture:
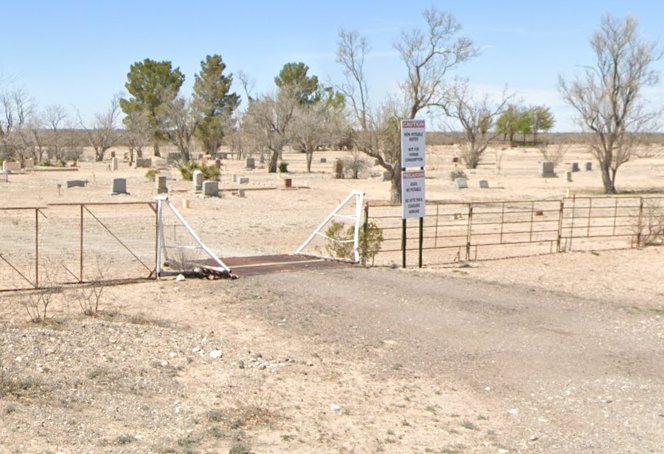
x,y
574,167
569,176
114,163
197,180
162,187
589,166
210,188
251,163
548,169
119,186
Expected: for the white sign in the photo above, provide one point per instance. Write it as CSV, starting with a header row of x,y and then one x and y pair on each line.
x,y
412,194
412,143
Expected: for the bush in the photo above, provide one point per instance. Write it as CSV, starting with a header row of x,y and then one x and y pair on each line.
x,y
340,244
209,173
454,174
283,167
151,174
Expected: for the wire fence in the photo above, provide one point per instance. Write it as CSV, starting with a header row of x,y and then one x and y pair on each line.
x,y
453,232
74,243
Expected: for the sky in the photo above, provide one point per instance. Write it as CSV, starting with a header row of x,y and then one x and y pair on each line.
x,y
77,53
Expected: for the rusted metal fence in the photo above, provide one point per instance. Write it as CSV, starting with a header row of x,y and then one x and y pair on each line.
x,y
491,230
76,242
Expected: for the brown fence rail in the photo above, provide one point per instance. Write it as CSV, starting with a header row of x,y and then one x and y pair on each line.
x,y
75,243
490,230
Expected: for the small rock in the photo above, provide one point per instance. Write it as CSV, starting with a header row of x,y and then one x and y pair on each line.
x,y
179,278
215,354
195,350
513,412
335,407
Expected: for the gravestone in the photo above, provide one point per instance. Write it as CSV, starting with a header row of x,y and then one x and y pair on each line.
x,y
243,180
574,167
29,164
119,186
210,188
548,169
569,176
240,193
461,183
339,169
11,167
143,163
589,166
114,164
455,160
250,163
75,183
323,160
197,180
484,184
5,176
235,178
162,188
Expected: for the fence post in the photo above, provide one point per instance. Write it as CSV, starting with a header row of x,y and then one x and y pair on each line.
x,y
365,228
560,224
469,235
36,247
80,278
639,229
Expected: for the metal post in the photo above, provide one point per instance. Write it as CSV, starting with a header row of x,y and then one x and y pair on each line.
x,y
421,241
36,247
365,228
560,224
80,279
640,223
157,240
403,243
469,235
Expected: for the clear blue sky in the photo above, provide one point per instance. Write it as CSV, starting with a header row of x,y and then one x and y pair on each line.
x,y
77,53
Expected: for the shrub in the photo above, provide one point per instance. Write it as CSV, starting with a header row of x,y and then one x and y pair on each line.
x,y
283,167
650,224
187,171
151,174
340,244
454,174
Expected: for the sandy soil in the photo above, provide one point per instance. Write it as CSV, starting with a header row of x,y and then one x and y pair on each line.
x,y
536,354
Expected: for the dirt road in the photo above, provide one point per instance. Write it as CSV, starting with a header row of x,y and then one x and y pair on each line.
x,y
555,373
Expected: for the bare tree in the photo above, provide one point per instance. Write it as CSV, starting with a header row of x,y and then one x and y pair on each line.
x,y
16,108
608,96
103,133
55,118
138,133
268,122
429,56
180,121
316,125
476,117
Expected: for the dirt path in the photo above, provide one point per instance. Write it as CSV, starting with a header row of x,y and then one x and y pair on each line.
x,y
555,372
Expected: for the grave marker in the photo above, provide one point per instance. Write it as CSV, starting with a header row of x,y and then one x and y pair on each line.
x,y
210,188
548,169
197,180
461,183
119,186
484,184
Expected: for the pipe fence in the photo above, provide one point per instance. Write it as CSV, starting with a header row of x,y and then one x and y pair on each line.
x,y
454,232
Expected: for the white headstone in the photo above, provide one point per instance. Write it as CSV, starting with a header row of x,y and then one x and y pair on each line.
x,y
461,183
119,186
114,164
210,188
197,180
29,164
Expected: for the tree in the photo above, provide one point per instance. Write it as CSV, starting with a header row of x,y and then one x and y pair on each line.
x,y
428,56
137,133
316,125
16,108
293,77
103,133
180,121
542,120
213,101
55,118
152,84
608,96
508,122
476,117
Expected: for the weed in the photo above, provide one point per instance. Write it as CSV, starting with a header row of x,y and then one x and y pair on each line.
x,y
469,425
215,415
340,243
240,448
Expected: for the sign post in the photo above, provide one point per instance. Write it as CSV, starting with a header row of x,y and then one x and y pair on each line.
x,y
413,147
